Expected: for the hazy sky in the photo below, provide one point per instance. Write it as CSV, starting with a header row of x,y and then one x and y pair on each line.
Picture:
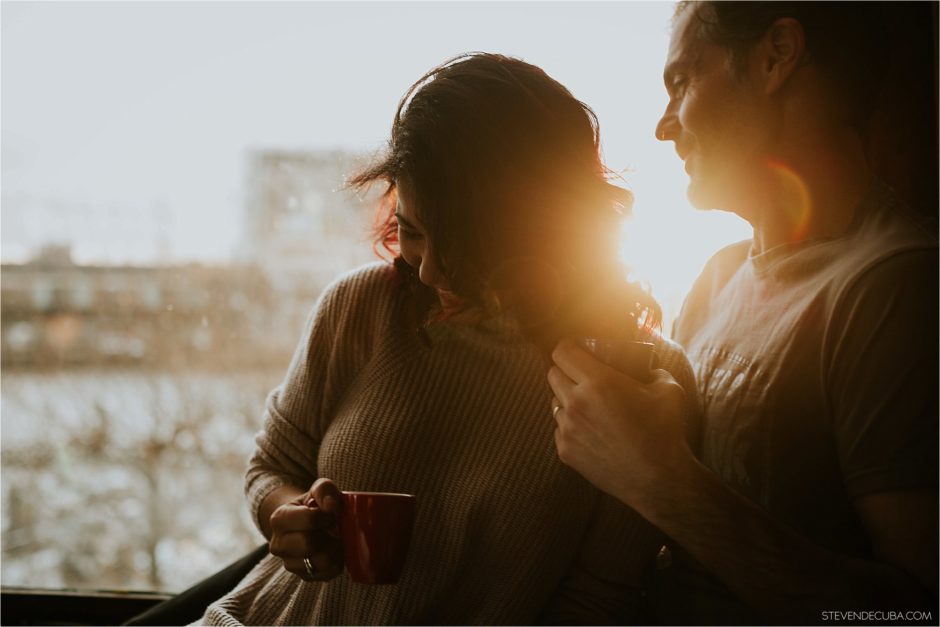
x,y
125,124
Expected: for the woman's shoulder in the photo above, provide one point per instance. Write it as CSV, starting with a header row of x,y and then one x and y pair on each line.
x,y
671,357
666,347
360,298
370,276
371,283
355,309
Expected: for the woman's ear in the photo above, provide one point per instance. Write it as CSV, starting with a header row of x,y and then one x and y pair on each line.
x,y
783,51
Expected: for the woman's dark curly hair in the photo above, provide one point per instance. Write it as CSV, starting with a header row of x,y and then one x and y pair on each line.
x,y
509,185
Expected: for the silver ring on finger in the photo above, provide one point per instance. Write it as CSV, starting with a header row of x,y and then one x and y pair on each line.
x,y
308,565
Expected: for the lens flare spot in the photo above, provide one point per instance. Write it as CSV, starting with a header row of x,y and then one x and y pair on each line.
x,y
799,203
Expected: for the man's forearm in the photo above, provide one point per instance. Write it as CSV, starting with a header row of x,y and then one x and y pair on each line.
x,y
768,565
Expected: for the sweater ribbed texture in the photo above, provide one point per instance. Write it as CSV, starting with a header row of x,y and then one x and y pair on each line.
x,y
463,422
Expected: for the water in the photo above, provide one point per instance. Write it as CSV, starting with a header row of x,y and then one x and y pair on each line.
x,y
126,480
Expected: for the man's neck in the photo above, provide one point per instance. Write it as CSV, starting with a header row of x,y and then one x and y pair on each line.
x,y
812,195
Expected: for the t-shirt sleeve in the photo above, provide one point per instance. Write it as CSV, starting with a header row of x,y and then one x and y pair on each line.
x,y
298,412
882,377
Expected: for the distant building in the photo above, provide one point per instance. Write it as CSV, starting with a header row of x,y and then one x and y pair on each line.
x,y
301,225
55,312
301,230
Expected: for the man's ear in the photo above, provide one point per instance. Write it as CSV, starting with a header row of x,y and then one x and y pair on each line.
x,y
782,50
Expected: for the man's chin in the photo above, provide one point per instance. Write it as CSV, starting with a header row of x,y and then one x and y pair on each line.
x,y
701,197
718,198
720,193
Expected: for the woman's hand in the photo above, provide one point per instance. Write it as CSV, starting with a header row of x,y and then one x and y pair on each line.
x,y
623,436
307,527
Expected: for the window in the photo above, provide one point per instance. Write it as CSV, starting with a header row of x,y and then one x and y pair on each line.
x,y
173,205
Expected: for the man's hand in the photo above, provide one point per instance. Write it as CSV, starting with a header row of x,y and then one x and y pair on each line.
x,y
623,436
307,527
627,439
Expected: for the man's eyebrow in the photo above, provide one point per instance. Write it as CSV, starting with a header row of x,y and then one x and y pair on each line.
x,y
672,69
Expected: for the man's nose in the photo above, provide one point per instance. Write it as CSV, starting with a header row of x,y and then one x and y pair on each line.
x,y
667,127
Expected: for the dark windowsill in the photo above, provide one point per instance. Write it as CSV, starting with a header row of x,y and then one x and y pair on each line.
x,y
37,606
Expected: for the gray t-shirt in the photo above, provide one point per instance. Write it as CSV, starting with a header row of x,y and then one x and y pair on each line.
x,y
817,367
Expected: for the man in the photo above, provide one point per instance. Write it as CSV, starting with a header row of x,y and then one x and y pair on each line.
x,y
814,492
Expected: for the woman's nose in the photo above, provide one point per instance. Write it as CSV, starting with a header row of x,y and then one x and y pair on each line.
x,y
428,271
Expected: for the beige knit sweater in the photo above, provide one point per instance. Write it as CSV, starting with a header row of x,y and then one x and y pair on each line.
x,y
505,533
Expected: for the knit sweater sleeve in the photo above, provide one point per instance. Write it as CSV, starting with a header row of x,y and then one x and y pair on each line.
x,y
337,341
672,359
604,584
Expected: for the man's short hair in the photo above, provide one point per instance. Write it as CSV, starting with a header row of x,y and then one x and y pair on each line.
x,y
847,41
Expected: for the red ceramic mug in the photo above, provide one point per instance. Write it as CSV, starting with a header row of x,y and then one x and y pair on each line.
x,y
376,532
630,357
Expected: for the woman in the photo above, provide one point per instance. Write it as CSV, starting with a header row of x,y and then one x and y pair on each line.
x,y
427,375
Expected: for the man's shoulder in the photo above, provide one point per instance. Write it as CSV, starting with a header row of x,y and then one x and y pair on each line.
x,y
890,214
890,246
728,259
887,229
715,275
721,267
906,278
